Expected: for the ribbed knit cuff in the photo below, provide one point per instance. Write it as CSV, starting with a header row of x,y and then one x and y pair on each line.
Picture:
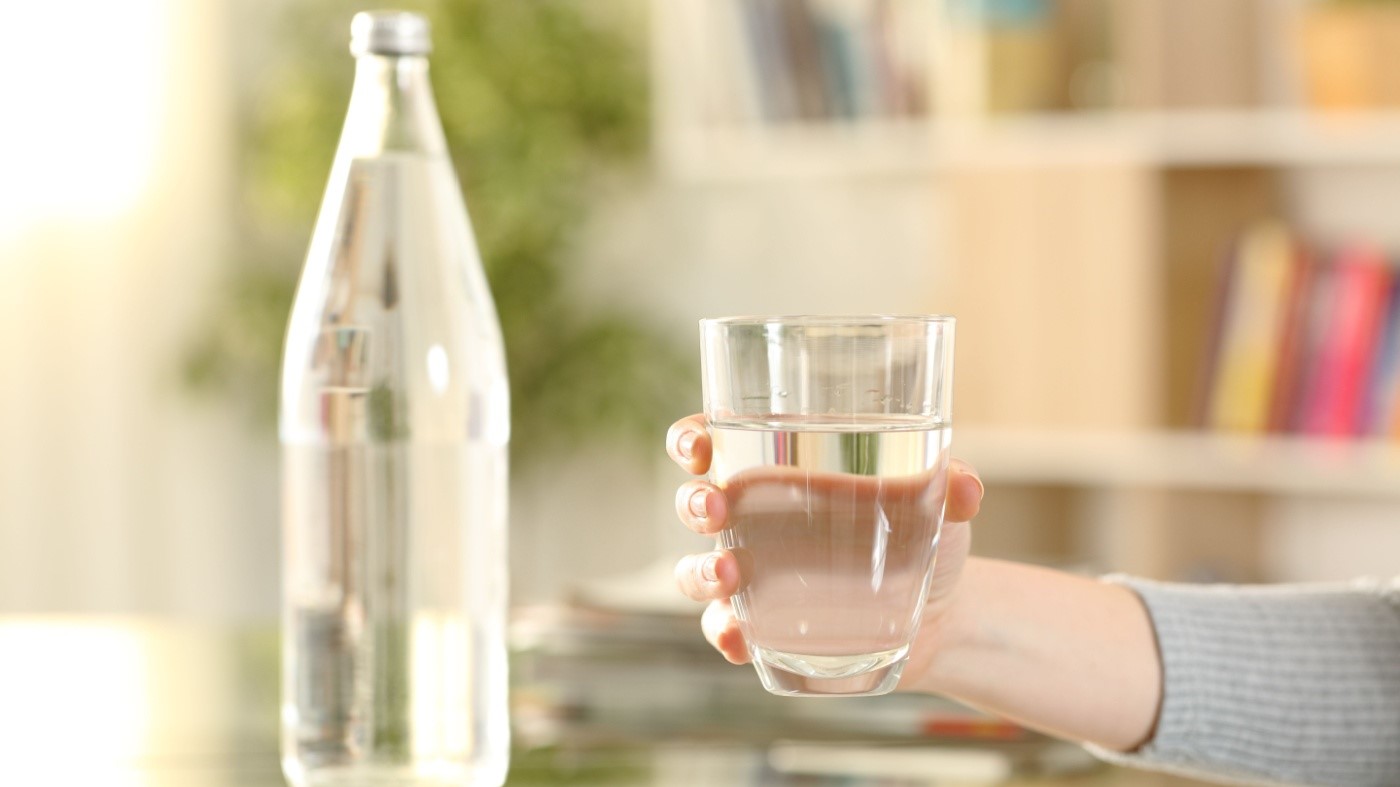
x,y
1288,684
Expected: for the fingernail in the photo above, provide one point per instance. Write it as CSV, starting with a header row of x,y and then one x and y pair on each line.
x,y
697,504
981,490
710,568
686,444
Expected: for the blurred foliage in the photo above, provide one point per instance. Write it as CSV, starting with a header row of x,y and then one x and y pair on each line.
x,y
596,765
538,100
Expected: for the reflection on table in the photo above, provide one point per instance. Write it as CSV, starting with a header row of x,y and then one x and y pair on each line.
x,y
600,697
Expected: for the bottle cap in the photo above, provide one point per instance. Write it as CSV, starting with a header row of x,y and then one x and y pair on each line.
x,y
389,33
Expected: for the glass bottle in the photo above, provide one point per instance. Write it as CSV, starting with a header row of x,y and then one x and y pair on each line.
x,y
394,424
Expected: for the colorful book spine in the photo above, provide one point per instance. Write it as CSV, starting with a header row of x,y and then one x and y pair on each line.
x,y
1253,327
1317,319
1346,357
838,68
1383,397
1290,379
1303,345
811,60
1210,365
805,66
889,77
769,54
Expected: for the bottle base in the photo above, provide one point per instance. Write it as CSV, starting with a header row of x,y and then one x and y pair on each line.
x,y
861,675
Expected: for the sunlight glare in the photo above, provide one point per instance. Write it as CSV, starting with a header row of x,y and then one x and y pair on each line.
x,y
76,702
82,93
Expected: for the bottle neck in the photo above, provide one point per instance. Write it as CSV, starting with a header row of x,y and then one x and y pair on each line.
x,y
391,109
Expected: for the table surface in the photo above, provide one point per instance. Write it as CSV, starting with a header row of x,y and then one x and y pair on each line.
x,y
139,702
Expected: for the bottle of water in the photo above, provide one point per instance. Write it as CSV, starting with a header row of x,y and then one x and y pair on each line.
x,y
394,427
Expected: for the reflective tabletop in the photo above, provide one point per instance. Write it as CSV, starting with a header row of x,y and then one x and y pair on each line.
x,y
134,702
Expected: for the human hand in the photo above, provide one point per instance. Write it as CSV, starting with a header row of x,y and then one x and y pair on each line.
x,y
715,576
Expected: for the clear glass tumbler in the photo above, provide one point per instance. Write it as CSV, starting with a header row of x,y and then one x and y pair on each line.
x,y
831,443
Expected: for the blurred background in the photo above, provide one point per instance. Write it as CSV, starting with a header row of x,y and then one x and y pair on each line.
x,y
1165,227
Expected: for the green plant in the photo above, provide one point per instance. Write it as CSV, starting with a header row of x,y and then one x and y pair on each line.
x,y
537,100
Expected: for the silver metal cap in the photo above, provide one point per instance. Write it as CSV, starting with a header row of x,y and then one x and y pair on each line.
x,y
389,33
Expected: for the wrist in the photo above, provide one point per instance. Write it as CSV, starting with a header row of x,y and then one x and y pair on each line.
x,y
949,630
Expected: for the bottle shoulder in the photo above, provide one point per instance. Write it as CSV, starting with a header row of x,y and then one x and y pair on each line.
x,y
393,322
394,242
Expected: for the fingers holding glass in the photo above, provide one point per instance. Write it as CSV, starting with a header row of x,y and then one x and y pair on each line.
x,y
965,492
721,629
688,444
702,507
708,576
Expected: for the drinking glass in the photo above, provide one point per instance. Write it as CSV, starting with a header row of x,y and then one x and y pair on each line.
x,y
830,440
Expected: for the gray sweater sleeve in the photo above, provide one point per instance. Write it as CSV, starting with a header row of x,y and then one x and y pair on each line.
x,y
1285,684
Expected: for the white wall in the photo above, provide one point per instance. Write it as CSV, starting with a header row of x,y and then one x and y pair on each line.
x,y
678,252
118,494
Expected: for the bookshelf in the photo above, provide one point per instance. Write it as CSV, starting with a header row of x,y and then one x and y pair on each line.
x,y
1199,85
1186,461
1185,138
1079,243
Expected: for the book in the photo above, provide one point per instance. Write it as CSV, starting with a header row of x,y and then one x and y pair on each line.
x,y
1290,379
768,52
1252,330
794,61
1344,363
1379,413
906,35
850,57
805,67
1210,361
1316,318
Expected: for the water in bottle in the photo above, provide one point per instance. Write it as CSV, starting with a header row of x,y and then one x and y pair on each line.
x,y
394,423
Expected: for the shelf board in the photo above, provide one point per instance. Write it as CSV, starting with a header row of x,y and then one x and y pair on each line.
x,y
1234,137
909,148
800,151
1185,461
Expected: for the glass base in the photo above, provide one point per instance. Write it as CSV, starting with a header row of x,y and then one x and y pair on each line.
x,y
860,675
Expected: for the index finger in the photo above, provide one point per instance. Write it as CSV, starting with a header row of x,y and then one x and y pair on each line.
x,y
688,443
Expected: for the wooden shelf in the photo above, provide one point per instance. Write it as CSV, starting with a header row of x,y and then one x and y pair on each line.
x,y
912,148
799,151
1233,137
1185,461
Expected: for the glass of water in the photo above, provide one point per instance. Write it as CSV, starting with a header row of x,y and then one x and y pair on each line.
x,y
830,440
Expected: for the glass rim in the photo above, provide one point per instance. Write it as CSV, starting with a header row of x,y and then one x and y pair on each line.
x,y
842,320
